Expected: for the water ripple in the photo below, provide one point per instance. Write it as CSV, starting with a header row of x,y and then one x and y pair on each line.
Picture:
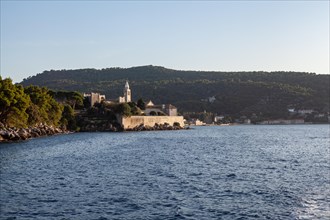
x,y
239,172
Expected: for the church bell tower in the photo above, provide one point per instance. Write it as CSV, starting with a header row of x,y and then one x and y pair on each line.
x,y
127,93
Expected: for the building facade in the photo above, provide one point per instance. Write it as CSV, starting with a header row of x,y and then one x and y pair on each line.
x,y
170,110
94,98
127,94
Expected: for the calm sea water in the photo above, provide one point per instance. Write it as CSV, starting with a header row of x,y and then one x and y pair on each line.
x,y
229,172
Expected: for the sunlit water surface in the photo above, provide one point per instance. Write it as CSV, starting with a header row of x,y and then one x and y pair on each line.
x,y
229,172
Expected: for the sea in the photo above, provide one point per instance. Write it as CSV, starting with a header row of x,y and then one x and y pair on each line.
x,y
207,172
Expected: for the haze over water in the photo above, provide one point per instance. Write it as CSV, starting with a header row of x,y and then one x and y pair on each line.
x,y
236,172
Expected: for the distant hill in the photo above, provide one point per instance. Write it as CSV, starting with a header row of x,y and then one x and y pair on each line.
x,y
267,93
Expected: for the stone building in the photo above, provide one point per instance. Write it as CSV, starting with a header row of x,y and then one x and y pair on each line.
x,y
151,109
170,110
153,114
127,94
94,98
167,109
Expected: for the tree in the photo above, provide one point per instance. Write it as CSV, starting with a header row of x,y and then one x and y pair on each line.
x,y
43,109
131,104
141,104
75,99
68,118
86,102
124,109
13,104
55,112
136,111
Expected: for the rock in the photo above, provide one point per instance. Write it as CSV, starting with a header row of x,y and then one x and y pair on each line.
x,y
14,136
34,134
17,134
23,134
58,130
4,135
160,127
43,132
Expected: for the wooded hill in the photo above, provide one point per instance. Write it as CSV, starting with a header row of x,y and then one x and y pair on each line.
x,y
236,93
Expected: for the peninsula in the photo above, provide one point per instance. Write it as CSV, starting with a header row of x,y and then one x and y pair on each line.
x,y
33,111
58,101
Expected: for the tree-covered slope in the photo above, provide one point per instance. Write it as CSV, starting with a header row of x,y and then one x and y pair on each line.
x,y
267,93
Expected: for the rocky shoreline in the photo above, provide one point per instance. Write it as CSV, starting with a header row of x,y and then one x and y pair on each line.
x,y
101,127
20,134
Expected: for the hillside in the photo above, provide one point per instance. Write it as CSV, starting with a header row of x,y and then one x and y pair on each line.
x,y
236,93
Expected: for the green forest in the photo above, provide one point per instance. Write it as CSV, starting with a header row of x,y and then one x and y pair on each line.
x,y
33,105
269,94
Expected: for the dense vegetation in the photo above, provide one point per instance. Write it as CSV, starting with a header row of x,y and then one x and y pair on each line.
x,y
33,105
236,93
111,109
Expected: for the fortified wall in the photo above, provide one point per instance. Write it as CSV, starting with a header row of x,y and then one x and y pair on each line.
x,y
134,121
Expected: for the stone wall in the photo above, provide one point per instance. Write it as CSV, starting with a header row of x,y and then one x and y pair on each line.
x,y
134,121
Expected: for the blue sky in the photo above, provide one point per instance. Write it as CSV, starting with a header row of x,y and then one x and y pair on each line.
x,y
187,35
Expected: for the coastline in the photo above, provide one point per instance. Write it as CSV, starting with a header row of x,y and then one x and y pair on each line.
x,y
12,134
